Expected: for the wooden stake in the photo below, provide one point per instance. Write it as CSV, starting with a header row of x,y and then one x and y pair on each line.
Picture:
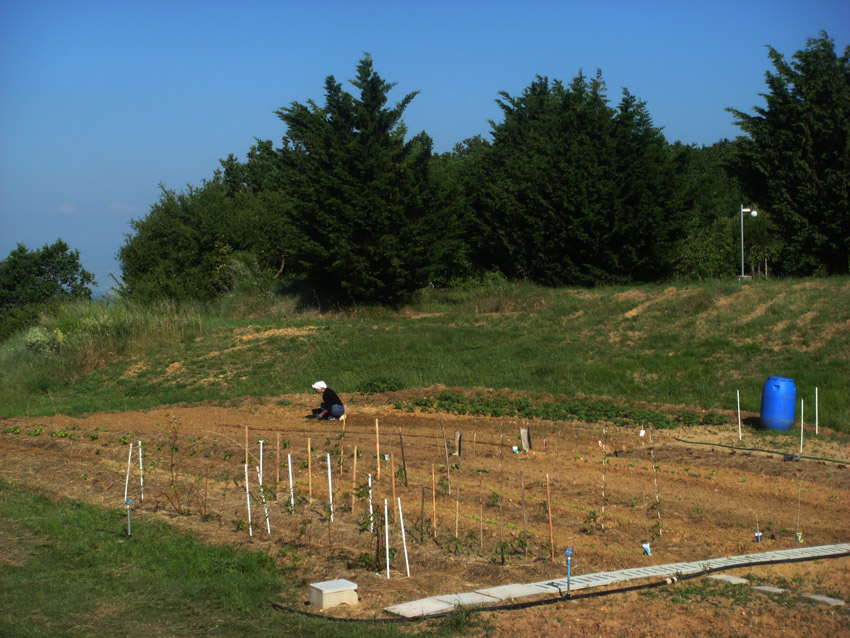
x,y
403,462
378,450
392,473
457,508
481,513
549,507
446,448
458,443
474,452
434,500
422,518
277,463
309,471
354,479
524,533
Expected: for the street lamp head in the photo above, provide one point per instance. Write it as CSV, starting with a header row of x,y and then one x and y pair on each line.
x,y
753,213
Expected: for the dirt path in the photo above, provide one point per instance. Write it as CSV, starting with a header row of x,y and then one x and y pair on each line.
x,y
689,501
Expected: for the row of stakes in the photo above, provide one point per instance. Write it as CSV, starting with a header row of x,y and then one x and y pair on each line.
x,y
259,470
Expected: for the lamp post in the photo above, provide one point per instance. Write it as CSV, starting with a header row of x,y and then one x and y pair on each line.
x,y
753,213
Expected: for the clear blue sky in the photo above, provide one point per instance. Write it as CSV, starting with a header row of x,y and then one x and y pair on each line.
x,y
103,100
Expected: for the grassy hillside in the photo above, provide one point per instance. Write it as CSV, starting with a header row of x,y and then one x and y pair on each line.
x,y
680,344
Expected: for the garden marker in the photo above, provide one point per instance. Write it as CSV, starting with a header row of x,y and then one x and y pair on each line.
x,y
277,465
141,472
309,472
371,510
248,499
354,479
330,488
549,508
127,482
801,426
434,500
127,503
816,410
377,451
738,392
263,497
403,537
387,536
260,470
291,490
403,461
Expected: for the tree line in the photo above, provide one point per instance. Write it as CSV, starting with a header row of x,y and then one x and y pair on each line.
x,y
570,188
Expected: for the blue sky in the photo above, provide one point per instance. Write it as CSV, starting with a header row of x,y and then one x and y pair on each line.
x,y
101,101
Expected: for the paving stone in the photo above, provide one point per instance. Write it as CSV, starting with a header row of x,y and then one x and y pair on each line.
x,y
468,599
729,580
824,600
513,592
765,589
419,608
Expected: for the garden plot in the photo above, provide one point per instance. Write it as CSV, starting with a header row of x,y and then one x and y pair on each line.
x,y
492,514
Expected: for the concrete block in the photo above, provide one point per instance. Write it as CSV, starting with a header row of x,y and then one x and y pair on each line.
x,y
729,580
420,608
765,589
824,600
331,593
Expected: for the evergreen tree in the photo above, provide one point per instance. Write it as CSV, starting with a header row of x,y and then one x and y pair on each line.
x,y
578,192
364,207
796,158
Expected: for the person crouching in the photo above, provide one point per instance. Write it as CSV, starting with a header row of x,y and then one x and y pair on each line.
x,y
331,406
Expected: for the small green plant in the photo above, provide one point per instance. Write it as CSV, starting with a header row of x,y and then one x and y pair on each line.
x,y
12,430
493,500
94,436
124,440
35,432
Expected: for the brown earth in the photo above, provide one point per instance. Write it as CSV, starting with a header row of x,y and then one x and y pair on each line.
x,y
711,500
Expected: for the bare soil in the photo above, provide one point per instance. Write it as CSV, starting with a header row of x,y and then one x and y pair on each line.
x,y
692,499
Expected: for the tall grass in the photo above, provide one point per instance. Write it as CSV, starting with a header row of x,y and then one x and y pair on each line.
x,y
683,344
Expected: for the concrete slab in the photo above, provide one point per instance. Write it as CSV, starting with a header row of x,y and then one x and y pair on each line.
x,y
824,600
420,608
729,580
766,589
513,592
468,599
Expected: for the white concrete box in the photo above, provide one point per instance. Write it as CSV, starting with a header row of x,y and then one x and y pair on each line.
x,y
332,593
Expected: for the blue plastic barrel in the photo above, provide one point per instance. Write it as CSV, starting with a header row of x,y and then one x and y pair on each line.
x,y
778,399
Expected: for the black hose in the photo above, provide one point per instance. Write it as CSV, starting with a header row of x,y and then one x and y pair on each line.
x,y
565,597
755,449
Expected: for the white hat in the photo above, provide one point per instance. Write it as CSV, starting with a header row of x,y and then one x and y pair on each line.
x,y
320,385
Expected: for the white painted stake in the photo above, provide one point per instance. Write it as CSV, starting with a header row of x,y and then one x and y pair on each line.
x,y
387,536
263,497
738,392
371,511
816,411
248,499
330,488
801,426
260,469
403,537
127,482
141,472
291,491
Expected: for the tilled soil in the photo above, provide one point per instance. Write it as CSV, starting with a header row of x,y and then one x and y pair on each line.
x,y
691,493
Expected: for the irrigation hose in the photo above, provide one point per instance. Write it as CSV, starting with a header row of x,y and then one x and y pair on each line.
x,y
755,449
564,597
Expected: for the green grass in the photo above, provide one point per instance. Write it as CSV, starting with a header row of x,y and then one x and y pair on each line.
x,y
68,569
690,344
